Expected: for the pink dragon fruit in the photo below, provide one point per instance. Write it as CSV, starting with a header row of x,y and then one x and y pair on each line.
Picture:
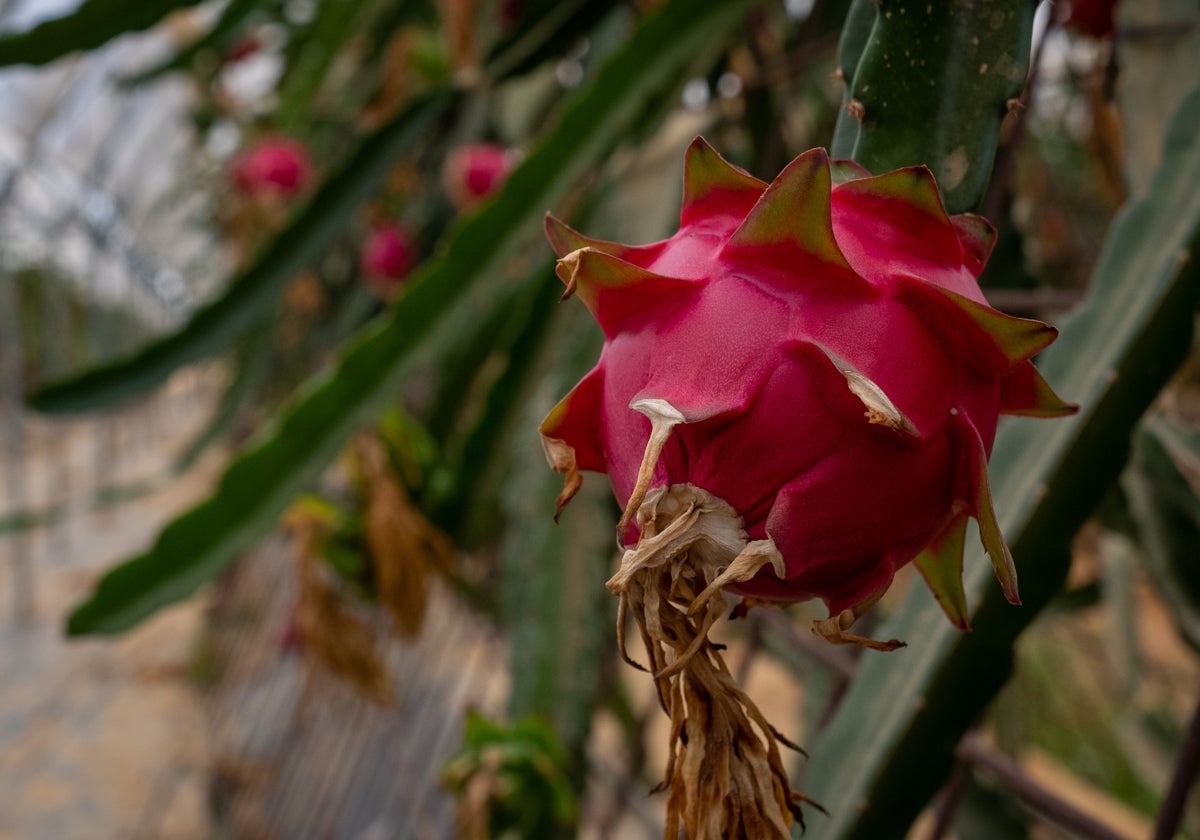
x,y
472,173
388,255
800,387
797,395
273,166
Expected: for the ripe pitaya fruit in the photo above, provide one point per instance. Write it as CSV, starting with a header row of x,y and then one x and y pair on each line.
x,y
272,166
388,255
810,362
472,173
797,394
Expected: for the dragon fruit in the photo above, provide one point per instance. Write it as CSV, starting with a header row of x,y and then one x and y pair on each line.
x,y
810,363
473,172
797,396
387,256
275,166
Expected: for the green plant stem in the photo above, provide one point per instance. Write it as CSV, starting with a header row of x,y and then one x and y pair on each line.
x,y
1058,811
92,24
932,82
997,198
1184,776
950,801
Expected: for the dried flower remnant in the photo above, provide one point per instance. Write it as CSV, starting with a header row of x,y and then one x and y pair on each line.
x,y
403,546
325,628
796,396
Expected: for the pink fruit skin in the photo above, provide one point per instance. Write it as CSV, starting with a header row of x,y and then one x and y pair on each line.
x,y
472,173
747,321
277,166
1091,17
388,254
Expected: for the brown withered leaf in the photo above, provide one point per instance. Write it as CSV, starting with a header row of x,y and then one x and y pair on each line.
x,y
403,545
459,20
1107,141
395,81
482,786
332,637
303,301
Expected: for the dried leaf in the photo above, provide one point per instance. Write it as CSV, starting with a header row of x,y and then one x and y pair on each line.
x,y
403,545
725,776
331,636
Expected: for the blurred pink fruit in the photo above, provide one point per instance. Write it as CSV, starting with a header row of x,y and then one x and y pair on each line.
x,y
279,166
388,255
472,173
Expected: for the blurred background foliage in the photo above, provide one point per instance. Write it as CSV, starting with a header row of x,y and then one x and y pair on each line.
x,y
385,336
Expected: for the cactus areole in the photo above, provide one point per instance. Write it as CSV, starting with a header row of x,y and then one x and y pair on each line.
x,y
807,368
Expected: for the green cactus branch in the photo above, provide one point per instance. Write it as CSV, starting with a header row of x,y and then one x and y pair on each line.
x,y
553,594
94,23
930,84
856,32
